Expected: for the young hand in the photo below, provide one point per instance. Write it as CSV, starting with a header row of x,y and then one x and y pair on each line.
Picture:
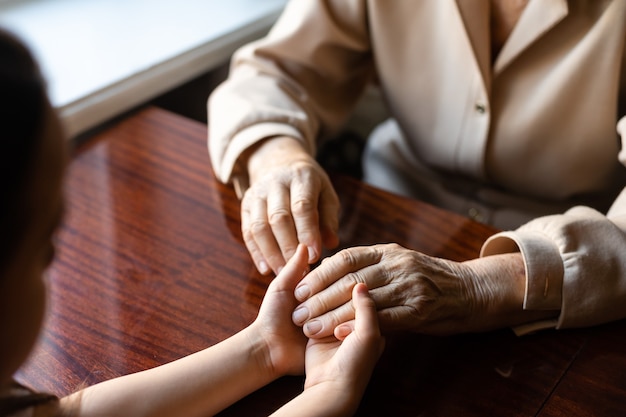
x,y
282,341
343,364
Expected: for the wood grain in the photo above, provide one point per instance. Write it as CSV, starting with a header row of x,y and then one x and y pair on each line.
x,y
151,267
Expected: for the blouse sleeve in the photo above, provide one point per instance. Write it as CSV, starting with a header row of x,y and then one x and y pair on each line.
x,y
575,262
301,80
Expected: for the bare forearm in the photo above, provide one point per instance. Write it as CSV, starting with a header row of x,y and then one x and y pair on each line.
x,y
197,385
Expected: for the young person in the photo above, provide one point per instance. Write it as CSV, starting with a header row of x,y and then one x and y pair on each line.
x,y
32,163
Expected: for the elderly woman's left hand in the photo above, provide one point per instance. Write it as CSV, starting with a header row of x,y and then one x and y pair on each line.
x,y
413,291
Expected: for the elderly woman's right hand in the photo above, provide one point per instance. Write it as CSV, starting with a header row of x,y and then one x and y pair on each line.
x,y
415,292
290,201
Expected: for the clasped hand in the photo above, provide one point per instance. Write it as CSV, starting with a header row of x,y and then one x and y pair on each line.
x,y
291,201
344,363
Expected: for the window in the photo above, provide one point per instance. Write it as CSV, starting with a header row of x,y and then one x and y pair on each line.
x,y
102,57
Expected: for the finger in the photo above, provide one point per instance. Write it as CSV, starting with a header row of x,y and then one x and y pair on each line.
x,y
327,304
321,313
332,304
261,232
366,320
281,221
366,315
325,324
329,217
292,273
304,197
343,330
336,267
248,238
329,322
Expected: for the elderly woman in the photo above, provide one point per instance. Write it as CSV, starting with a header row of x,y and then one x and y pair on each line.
x,y
509,110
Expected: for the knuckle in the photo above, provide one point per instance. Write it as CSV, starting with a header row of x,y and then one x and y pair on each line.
x,y
247,236
353,278
336,317
279,217
328,303
318,306
302,206
258,227
304,167
346,256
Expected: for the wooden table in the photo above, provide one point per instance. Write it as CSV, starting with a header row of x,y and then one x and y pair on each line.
x,y
151,267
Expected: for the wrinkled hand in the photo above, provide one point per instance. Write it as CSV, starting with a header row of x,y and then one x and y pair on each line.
x,y
290,201
283,341
343,367
413,291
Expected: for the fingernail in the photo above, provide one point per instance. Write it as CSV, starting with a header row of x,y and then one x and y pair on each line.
x,y
342,331
263,268
312,254
300,315
313,327
302,292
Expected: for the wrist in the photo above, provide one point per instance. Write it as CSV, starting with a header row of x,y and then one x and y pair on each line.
x,y
325,399
279,149
500,285
273,357
342,399
259,351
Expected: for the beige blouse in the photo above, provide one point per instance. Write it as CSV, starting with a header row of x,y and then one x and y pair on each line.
x,y
539,122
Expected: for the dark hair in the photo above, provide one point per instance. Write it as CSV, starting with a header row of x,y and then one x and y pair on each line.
x,y
23,104
22,111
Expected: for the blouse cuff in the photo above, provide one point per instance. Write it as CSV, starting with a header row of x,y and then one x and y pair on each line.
x,y
543,263
544,271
